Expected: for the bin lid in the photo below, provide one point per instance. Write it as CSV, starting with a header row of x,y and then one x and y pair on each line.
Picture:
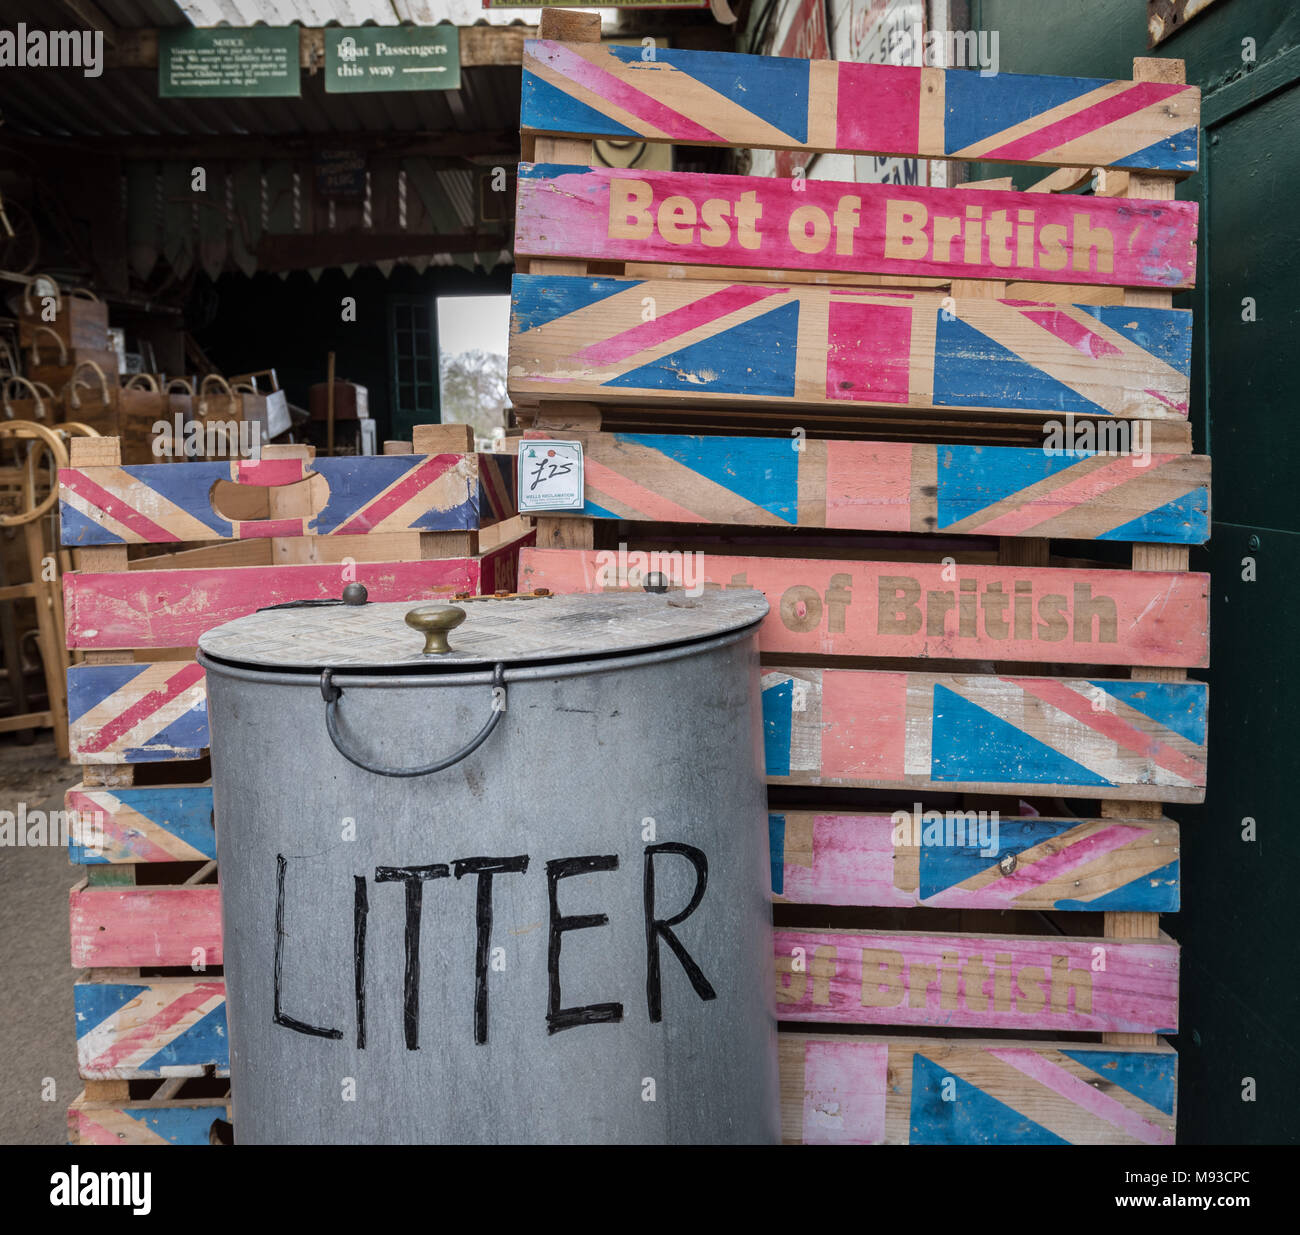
x,y
515,630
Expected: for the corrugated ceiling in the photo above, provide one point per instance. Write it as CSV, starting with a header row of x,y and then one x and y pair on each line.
x,y
350,12
122,102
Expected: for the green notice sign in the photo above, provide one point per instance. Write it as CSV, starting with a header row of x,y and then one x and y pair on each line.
x,y
229,63
366,59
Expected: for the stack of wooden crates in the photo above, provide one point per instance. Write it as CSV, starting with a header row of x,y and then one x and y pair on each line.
x,y
419,522
854,397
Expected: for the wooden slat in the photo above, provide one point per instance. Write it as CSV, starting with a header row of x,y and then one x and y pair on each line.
x,y
983,733
144,1123
684,218
151,1027
833,607
137,713
154,823
911,426
172,608
808,346
961,860
718,98
930,1091
986,734
894,487
169,503
1057,983
834,1090
126,927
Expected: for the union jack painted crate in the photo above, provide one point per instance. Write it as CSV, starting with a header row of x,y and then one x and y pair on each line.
x,y
913,418
834,1090
222,539
1056,676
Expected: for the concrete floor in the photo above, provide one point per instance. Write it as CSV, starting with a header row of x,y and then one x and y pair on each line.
x,y
38,1065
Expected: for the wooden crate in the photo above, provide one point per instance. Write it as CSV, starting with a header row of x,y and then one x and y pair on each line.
x,y
220,539
905,466
841,395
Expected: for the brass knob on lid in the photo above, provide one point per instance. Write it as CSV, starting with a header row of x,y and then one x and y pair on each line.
x,y
435,622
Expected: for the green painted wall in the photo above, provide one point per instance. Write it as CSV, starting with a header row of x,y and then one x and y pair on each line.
x,y
1239,924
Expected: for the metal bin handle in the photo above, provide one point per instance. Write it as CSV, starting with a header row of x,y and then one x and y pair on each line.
x,y
332,694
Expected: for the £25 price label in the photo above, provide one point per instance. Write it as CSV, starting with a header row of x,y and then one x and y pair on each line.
x,y
550,476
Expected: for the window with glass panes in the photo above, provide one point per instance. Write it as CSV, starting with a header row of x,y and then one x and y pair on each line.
x,y
413,355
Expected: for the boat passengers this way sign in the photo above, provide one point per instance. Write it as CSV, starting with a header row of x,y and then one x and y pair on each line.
x,y
369,59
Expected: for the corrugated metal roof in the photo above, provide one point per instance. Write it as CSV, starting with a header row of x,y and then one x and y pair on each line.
x,y
343,12
356,12
121,102
124,103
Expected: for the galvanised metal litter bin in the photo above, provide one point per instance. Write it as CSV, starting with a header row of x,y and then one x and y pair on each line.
x,y
517,891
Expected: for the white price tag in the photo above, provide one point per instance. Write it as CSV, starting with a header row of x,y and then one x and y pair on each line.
x,y
550,475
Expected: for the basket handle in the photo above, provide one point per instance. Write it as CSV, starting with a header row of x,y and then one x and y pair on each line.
x,y
73,383
186,385
36,350
31,283
36,394
133,383
203,390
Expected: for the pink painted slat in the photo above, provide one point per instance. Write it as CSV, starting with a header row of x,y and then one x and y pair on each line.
x,y
269,472
912,609
883,860
864,737
1018,982
869,484
172,608
845,1084
893,123
861,1090
852,863
118,927
617,214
